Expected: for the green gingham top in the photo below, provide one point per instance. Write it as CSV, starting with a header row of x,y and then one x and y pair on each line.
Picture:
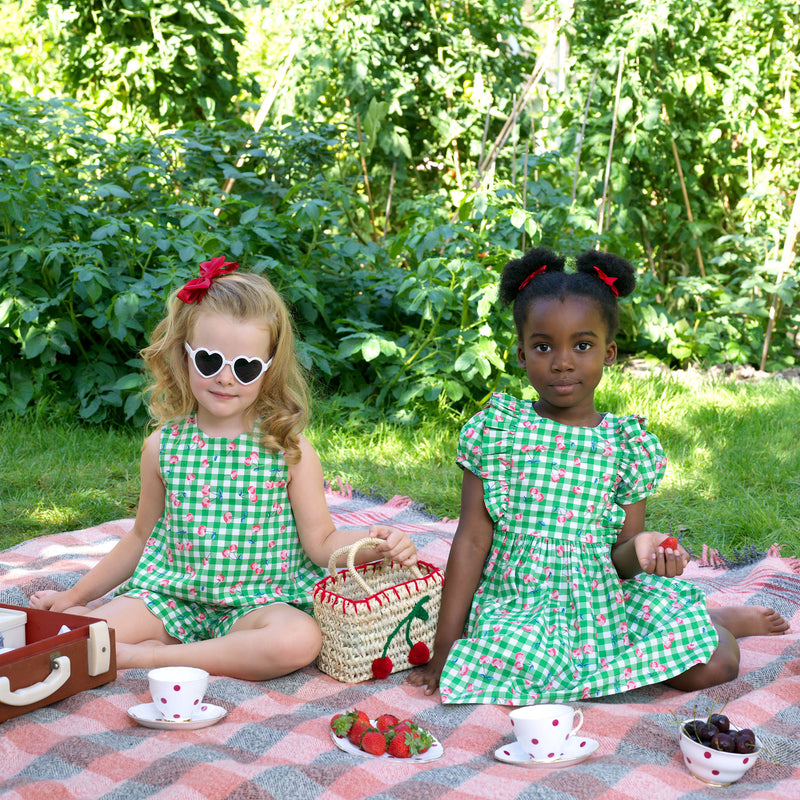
x,y
227,537
551,620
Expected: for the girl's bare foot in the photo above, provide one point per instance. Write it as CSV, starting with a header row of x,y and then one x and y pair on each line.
x,y
749,620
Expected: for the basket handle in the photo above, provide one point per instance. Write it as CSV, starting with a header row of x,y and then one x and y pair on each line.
x,y
351,551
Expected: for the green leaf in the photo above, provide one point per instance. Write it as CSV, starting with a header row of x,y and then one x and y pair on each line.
x,y
34,343
248,216
371,349
105,232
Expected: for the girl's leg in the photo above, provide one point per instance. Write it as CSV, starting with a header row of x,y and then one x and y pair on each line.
x,y
132,621
266,643
732,623
723,666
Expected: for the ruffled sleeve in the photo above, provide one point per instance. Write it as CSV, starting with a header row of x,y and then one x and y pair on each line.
x,y
469,454
642,463
485,448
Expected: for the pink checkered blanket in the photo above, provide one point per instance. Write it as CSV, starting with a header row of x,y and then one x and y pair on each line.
x,y
275,743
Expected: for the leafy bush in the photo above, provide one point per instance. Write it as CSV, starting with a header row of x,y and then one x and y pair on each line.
x,y
703,109
392,273
97,232
420,77
175,61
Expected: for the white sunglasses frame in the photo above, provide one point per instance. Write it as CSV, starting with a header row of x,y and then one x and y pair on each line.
x,y
225,361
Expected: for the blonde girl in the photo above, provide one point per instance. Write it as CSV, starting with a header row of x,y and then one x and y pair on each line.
x,y
232,527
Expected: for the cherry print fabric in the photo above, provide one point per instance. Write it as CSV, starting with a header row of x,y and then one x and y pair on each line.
x,y
551,620
226,542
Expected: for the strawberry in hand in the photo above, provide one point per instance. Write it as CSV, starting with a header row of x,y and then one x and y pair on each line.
x,y
659,555
670,543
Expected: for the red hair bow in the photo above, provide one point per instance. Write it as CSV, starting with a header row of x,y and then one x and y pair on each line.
x,y
608,281
195,290
531,277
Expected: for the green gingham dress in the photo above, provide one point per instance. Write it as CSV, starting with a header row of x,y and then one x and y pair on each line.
x,y
551,620
226,542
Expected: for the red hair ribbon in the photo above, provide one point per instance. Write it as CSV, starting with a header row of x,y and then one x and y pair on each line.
x,y
608,281
195,290
531,277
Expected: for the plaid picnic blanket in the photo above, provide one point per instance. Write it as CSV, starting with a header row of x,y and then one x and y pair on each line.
x,y
275,743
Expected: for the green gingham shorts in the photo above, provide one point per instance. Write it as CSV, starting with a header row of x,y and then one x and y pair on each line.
x,y
189,621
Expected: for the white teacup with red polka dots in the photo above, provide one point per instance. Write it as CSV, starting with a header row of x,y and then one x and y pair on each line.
x,y
543,730
177,691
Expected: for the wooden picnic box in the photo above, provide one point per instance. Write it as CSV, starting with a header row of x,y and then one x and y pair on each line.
x,y
44,665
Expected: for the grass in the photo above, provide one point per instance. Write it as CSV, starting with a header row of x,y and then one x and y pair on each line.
x,y
732,482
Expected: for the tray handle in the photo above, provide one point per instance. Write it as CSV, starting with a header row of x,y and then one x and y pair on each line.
x,y
59,675
351,551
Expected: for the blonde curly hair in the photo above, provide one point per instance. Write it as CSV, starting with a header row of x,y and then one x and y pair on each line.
x,y
282,406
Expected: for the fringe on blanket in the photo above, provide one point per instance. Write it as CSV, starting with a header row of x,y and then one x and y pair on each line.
x,y
343,489
711,557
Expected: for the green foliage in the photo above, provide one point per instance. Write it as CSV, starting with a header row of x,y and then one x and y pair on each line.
x,y
176,61
96,233
363,201
442,341
420,78
713,80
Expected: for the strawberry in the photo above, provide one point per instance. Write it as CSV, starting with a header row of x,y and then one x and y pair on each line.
x,y
341,723
361,715
408,739
386,721
358,730
373,742
670,543
422,740
400,746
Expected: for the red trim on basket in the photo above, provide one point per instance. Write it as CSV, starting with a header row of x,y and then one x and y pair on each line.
x,y
321,592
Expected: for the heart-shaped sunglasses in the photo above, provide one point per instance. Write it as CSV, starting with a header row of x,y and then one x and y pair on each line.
x,y
209,363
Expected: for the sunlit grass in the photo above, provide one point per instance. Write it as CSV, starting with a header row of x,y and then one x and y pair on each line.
x,y
733,477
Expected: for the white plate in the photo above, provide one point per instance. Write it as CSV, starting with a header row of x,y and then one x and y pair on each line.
x,y
578,749
146,714
431,754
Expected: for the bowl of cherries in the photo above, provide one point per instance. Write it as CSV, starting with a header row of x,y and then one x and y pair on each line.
x,y
715,752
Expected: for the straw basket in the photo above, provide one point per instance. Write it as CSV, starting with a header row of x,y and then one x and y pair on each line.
x,y
376,618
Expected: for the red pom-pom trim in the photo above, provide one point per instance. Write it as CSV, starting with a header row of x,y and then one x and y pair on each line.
x,y
419,654
382,667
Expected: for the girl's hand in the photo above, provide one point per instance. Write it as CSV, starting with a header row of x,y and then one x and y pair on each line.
x,y
427,675
52,601
394,545
655,559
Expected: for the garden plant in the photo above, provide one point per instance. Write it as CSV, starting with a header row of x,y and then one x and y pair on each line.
x,y
380,162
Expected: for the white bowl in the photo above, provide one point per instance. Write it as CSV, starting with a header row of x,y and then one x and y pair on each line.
x,y
715,767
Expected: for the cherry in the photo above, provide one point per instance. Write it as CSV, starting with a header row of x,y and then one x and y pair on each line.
x,y
745,741
705,730
721,721
724,742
